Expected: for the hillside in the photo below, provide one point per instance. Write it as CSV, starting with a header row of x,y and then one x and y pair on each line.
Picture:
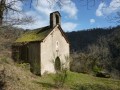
x,y
80,40
14,76
96,49
7,36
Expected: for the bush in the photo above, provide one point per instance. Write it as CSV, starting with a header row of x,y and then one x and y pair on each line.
x,y
60,78
96,69
5,60
25,66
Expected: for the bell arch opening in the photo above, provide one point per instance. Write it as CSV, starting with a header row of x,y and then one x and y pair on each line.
x,y
57,19
57,64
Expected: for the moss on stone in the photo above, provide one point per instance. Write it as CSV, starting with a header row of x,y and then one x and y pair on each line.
x,y
34,35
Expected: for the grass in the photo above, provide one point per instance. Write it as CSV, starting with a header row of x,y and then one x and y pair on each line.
x,y
79,81
19,77
34,35
88,82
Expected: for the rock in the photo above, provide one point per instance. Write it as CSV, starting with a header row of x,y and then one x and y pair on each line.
x,y
103,74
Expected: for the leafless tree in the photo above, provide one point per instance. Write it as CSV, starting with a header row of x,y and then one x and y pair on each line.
x,y
2,9
7,7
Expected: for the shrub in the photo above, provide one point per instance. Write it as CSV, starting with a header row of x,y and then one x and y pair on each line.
x,y
60,78
35,68
4,59
61,72
25,66
96,69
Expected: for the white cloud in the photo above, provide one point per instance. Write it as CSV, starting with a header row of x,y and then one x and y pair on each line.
x,y
103,9
69,26
114,5
92,21
42,9
39,21
46,7
99,11
70,9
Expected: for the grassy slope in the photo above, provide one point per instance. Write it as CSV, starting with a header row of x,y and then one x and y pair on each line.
x,y
18,77
89,82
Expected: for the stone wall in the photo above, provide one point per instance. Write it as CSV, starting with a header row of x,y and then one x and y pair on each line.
x,y
53,46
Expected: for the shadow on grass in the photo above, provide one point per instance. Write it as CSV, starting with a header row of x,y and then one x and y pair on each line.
x,y
2,84
2,79
92,87
44,84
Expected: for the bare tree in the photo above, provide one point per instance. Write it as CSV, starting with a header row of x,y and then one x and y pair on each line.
x,y
2,9
7,7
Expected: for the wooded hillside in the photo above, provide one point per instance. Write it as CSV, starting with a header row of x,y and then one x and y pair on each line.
x,y
96,49
90,49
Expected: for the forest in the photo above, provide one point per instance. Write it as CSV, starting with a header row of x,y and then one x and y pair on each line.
x,y
95,50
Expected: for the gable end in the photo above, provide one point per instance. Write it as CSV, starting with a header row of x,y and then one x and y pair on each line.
x,y
61,30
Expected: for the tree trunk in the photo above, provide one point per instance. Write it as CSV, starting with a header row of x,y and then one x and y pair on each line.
x,y
1,19
2,8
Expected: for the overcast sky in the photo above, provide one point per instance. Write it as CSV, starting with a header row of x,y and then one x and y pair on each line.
x,y
76,15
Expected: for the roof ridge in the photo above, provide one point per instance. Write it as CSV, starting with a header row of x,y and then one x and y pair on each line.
x,y
35,35
43,29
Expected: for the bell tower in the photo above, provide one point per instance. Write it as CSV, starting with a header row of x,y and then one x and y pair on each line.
x,y
55,18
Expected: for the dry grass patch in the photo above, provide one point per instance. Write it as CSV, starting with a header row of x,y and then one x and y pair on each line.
x,y
17,77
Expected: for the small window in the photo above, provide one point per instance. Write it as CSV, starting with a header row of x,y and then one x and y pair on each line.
x,y
57,45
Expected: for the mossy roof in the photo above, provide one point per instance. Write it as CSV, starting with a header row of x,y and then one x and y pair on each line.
x,y
34,35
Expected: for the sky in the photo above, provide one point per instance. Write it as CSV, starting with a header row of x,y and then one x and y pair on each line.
x,y
75,14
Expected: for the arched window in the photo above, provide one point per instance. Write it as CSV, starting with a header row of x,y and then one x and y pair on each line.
x,y
57,64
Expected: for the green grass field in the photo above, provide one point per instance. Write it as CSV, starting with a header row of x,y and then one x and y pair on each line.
x,y
79,81
19,77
